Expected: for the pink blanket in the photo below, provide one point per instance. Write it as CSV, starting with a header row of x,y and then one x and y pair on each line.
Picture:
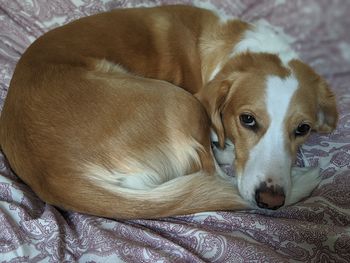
x,y
314,230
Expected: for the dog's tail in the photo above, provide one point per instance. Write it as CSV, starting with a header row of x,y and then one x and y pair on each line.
x,y
187,194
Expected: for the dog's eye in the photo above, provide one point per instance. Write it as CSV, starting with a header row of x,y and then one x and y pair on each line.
x,y
302,129
248,121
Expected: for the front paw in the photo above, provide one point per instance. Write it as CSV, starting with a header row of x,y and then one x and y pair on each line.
x,y
224,156
304,181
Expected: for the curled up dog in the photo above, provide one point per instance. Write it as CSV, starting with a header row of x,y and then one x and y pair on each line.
x,y
120,114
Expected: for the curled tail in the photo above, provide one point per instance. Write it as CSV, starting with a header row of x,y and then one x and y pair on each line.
x,y
187,194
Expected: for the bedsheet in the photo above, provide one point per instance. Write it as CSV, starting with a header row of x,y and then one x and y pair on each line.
x,y
317,229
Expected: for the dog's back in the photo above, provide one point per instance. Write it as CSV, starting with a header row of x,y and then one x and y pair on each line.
x,y
88,135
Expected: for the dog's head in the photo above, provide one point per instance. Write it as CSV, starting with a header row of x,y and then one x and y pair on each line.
x,y
267,110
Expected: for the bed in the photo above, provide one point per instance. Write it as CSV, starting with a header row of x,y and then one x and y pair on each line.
x,y
317,229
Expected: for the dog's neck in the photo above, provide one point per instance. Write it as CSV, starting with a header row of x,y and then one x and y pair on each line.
x,y
216,49
263,37
216,45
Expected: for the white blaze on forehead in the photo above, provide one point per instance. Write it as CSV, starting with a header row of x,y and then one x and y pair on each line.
x,y
278,96
270,159
279,93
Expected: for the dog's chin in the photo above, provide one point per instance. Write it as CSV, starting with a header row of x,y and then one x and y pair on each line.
x,y
304,181
247,188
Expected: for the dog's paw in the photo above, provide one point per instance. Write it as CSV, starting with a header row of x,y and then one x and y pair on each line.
x,y
304,181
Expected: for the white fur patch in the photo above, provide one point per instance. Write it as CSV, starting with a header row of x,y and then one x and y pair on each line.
x,y
138,181
269,159
106,66
278,96
224,156
304,181
163,162
215,72
266,38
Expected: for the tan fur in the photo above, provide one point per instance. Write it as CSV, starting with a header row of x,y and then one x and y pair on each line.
x,y
239,84
97,100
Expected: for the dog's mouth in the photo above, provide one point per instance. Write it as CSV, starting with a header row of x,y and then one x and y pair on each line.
x,y
268,197
264,192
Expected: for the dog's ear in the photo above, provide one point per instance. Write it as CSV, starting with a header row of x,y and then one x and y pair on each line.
x,y
213,97
327,116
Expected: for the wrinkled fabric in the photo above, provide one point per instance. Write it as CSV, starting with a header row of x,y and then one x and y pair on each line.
x,y
317,229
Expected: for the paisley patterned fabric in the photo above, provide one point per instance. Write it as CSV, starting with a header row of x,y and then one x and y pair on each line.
x,y
315,230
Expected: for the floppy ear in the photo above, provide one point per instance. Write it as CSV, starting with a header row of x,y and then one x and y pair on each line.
x,y
327,116
213,97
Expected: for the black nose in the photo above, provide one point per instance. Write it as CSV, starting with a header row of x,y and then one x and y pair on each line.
x,y
272,197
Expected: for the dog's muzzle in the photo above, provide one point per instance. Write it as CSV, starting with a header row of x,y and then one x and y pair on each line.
x,y
272,197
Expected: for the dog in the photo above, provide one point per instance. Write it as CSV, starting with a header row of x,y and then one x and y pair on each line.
x,y
120,114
